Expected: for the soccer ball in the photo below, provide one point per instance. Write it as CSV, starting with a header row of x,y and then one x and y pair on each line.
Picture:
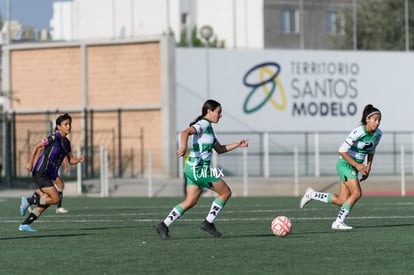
x,y
281,226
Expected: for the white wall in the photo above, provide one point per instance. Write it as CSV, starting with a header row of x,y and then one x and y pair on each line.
x,y
99,19
333,87
62,21
239,23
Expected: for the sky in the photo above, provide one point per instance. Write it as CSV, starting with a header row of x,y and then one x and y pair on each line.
x,y
36,13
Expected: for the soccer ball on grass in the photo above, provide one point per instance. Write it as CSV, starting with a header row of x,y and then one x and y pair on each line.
x,y
281,226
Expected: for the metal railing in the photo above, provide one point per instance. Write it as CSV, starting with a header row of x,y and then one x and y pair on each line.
x,y
273,153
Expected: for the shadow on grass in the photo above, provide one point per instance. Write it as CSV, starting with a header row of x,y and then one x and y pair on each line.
x,y
108,210
107,228
33,235
384,225
203,237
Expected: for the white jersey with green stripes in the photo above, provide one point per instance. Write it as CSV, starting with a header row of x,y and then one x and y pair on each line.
x,y
361,143
203,142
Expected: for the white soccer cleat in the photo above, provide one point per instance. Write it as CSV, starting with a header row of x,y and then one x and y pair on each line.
x,y
61,210
306,198
340,226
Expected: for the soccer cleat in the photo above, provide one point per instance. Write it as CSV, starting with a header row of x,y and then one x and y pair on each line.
x,y
23,206
340,226
61,210
163,231
306,198
210,228
27,228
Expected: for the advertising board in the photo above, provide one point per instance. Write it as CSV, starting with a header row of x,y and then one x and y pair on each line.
x,y
292,90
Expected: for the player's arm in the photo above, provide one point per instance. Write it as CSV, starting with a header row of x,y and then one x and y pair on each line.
x,y
66,165
220,149
34,155
370,158
184,139
74,160
38,153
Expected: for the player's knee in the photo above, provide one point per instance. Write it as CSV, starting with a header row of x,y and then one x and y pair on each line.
x,y
339,201
229,193
189,203
59,188
42,200
54,199
226,194
357,195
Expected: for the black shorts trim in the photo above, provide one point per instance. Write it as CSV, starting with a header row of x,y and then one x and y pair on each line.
x,y
42,181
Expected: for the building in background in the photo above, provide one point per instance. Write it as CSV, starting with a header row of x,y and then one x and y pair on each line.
x,y
313,90
292,24
120,94
236,23
19,33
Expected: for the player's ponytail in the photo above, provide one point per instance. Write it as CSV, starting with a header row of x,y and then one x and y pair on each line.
x,y
208,105
369,110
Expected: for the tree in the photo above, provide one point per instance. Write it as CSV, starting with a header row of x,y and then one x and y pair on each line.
x,y
196,41
380,25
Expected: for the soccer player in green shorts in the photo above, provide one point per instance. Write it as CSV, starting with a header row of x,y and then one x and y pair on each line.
x,y
198,173
355,157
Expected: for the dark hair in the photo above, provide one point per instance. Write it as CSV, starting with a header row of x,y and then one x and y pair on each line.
x,y
62,118
208,105
369,110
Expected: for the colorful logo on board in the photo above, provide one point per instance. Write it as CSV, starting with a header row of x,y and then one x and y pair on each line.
x,y
265,85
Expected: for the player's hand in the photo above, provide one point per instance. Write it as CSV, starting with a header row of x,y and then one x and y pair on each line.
x,y
363,169
29,168
81,157
364,176
181,151
244,143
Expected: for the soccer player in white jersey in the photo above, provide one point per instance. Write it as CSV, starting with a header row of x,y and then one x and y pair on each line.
x,y
198,172
355,157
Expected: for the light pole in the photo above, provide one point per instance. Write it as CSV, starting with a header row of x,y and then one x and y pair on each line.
x,y
354,25
407,31
8,11
206,32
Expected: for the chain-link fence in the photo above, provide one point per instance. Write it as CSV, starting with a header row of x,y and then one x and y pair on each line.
x,y
91,130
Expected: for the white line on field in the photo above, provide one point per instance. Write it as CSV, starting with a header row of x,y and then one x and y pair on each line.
x,y
13,220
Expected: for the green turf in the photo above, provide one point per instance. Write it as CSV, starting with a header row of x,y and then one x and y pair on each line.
x,y
115,236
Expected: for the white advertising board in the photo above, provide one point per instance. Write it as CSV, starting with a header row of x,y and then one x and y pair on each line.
x,y
292,90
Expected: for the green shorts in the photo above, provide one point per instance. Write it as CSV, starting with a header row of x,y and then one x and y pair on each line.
x,y
201,176
345,170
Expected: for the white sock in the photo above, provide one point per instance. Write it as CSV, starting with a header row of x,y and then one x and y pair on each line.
x,y
172,217
215,210
343,213
321,196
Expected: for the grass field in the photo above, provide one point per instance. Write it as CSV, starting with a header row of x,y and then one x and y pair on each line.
x,y
116,236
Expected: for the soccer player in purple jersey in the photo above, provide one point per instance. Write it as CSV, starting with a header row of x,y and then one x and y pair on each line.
x,y
58,182
45,171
